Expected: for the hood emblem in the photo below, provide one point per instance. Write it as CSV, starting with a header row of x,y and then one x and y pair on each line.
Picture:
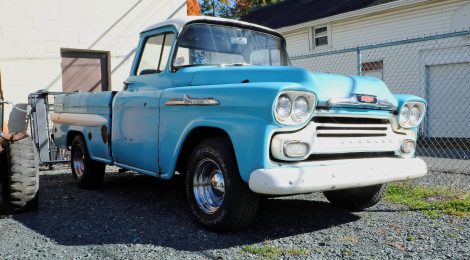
x,y
190,101
366,99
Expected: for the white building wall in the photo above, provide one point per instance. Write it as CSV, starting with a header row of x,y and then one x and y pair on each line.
x,y
297,42
399,24
426,18
32,32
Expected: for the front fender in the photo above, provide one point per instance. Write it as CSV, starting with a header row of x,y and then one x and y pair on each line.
x,y
248,136
403,98
244,112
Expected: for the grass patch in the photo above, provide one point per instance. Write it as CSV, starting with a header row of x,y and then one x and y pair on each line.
x,y
431,200
273,252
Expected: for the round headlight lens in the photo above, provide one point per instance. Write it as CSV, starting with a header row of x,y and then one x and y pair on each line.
x,y
404,115
284,106
414,115
301,107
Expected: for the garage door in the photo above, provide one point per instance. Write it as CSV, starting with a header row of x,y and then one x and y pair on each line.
x,y
449,100
84,71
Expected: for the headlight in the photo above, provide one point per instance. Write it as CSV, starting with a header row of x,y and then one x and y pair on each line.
x,y
414,115
301,108
404,115
294,107
284,106
411,114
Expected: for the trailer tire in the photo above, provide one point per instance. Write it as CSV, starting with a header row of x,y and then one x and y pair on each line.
x,y
357,199
219,199
3,182
88,174
21,193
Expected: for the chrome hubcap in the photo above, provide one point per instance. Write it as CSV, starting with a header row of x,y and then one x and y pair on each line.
x,y
78,162
208,186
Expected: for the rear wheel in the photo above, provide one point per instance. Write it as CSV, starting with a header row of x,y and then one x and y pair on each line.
x,y
21,183
357,199
87,173
218,197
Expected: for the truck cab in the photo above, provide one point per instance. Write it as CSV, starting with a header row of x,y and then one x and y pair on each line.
x,y
218,102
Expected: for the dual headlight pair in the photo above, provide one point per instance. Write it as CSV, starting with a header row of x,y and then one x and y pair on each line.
x,y
411,114
294,107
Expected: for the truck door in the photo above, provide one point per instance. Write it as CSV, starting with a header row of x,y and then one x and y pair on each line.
x,y
136,108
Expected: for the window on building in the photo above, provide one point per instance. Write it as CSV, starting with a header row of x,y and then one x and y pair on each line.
x,y
321,36
156,53
373,69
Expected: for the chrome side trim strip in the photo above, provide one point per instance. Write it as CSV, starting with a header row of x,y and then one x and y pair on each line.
x,y
78,119
189,101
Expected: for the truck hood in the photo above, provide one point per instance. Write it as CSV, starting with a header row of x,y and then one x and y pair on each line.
x,y
326,86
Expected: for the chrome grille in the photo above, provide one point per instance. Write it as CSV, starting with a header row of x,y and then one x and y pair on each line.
x,y
350,127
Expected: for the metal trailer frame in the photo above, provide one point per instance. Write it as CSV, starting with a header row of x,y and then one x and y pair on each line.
x,y
42,105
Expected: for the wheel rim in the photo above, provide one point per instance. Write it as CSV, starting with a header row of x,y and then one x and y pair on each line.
x,y
209,186
78,161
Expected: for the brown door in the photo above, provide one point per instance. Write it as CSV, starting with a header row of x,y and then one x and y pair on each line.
x,y
84,71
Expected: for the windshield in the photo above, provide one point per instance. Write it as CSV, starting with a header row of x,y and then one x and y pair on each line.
x,y
208,44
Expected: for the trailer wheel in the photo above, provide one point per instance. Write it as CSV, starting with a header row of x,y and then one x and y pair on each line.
x,y
87,173
3,181
218,197
21,193
357,199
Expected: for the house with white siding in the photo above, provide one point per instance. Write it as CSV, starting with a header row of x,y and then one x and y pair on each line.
x,y
438,70
72,45
321,25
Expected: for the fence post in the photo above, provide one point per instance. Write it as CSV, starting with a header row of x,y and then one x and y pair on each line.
x,y
359,61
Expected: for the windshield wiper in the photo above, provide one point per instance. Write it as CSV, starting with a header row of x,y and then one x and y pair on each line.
x,y
175,68
234,64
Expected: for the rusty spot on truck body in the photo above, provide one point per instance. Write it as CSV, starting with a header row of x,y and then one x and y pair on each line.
x,y
104,133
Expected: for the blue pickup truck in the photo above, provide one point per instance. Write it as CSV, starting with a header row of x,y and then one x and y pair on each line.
x,y
218,102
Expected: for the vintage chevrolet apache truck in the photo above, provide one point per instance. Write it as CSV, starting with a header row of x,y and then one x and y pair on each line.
x,y
217,101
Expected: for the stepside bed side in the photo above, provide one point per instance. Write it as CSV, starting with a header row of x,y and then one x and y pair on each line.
x,y
88,114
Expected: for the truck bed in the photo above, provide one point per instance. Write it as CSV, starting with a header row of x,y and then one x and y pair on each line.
x,y
88,114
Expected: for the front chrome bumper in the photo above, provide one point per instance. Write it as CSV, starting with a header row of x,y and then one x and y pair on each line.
x,y
334,175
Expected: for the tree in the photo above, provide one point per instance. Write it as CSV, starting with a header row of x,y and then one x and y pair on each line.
x,y
231,8
242,7
193,7
219,8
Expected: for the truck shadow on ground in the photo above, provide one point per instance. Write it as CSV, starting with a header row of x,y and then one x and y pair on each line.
x,y
132,209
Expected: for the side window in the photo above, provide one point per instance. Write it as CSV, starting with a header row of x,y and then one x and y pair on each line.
x,y
155,54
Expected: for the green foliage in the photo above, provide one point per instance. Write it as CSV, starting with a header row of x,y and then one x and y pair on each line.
x,y
431,200
273,252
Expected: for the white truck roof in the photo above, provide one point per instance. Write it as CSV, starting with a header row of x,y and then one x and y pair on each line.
x,y
179,23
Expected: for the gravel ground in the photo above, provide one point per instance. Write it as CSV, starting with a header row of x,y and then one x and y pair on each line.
x,y
139,217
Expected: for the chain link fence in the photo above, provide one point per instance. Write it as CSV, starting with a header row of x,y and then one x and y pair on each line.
x,y
435,67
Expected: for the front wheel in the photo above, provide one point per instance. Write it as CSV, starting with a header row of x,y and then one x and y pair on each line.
x,y
218,197
357,199
87,173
